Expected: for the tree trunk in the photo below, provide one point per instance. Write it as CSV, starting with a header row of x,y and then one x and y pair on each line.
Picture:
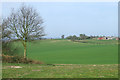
x,y
25,48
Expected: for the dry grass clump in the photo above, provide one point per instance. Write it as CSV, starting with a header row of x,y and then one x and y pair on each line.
x,y
18,59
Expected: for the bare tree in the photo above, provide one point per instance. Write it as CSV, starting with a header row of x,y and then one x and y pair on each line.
x,y
24,25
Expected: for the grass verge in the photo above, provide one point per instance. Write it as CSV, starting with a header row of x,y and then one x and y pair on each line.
x,y
60,71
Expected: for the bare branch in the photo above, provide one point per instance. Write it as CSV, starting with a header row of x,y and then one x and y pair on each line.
x,y
25,25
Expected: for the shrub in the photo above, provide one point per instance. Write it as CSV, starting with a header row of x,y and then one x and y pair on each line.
x,y
18,59
7,48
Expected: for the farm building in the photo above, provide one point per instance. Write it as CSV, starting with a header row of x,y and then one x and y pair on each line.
x,y
107,38
101,38
117,38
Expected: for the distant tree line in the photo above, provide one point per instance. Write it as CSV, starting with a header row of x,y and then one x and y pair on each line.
x,y
81,37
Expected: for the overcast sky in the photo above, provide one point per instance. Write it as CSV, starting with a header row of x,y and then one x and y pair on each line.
x,y
69,18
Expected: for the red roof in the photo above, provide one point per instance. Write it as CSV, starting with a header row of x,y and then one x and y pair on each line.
x,y
100,38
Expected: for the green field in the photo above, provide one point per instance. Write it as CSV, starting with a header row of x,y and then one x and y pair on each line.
x,y
60,71
68,52
81,59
